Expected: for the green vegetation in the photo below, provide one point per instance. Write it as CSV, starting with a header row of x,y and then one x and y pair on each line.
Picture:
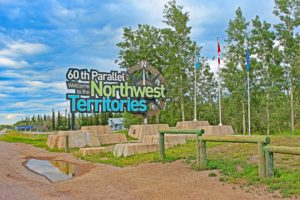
x,y
18,137
237,163
129,138
37,140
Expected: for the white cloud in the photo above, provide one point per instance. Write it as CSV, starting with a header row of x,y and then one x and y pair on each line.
x,y
14,53
3,95
20,48
12,63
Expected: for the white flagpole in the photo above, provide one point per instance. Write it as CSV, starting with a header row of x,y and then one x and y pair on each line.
x,y
144,83
219,90
249,120
195,95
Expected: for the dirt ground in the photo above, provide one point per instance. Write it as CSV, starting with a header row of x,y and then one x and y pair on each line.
x,y
97,181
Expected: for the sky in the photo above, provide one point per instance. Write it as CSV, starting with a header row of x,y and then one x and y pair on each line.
x,y
40,40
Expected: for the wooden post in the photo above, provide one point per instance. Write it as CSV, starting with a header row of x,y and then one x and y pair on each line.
x,y
202,154
66,143
269,164
198,150
262,159
162,145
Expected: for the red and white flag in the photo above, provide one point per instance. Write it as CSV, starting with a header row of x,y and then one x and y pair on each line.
x,y
219,53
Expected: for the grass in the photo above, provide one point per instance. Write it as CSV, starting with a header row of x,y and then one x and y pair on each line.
x,y
129,138
36,140
237,163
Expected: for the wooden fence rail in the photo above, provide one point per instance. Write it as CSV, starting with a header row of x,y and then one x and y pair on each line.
x,y
162,133
261,142
270,150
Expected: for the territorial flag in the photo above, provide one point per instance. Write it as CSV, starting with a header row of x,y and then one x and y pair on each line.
x,y
219,53
247,59
197,64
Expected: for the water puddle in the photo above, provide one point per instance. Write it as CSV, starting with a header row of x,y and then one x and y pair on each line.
x,y
53,170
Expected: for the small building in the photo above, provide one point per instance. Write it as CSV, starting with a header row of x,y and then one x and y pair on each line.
x,y
116,123
24,128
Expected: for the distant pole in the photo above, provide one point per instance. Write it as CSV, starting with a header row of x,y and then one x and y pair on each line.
x,y
195,88
249,117
219,85
195,98
144,65
248,87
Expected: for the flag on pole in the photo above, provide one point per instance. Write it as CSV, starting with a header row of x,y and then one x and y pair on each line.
x,y
197,64
219,53
247,59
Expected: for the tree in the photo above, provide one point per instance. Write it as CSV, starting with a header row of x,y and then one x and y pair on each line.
x,y
234,73
53,120
262,42
169,49
288,12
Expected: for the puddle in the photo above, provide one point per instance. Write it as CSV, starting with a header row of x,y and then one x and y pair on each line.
x,y
53,170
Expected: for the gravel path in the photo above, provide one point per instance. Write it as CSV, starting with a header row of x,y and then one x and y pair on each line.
x,y
96,181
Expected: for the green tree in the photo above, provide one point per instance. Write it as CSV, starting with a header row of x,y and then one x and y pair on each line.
x,y
288,12
53,120
234,73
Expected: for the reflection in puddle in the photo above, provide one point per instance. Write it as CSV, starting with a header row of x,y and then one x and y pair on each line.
x,y
54,170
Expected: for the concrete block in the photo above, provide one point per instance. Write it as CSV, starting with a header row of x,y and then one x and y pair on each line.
x,y
139,131
218,130
92,150
191,124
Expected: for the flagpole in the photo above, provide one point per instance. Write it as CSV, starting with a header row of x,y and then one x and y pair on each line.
x,y
195,96
144,83
248,87
249,120
219,89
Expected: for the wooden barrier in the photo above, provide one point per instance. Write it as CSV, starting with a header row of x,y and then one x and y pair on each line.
x,y
67,144
162,133
261,142
270,150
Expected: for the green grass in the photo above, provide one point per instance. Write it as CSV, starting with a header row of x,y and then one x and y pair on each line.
x,y
129,138
237,163
36,140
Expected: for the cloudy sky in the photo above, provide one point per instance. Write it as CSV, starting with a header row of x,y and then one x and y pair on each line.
x,y
39,40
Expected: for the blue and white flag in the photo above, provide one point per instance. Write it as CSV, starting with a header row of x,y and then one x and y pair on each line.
x,y
247,59
197,63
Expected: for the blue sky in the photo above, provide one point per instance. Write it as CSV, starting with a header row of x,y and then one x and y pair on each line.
x,y
40,39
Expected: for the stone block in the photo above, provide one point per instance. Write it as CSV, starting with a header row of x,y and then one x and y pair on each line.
x,y
191,124
99,130
92,150
139,131
112,138
218,130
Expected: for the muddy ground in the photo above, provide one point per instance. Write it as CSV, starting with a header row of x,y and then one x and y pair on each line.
x,y
97,181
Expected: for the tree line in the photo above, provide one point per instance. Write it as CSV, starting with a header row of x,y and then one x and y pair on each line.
x,y
63,121
274,72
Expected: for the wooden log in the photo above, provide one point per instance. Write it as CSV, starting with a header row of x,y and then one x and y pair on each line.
x,y
162,145
237,139
202,163
269,164
283,150
183,131
66,143
262,159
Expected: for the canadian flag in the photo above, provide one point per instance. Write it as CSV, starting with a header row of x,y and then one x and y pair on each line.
x,y
219,53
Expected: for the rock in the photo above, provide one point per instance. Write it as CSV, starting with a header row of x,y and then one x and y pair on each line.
x,y
139,131
96,136
217,130
92,150
191,124
112,138
98,130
